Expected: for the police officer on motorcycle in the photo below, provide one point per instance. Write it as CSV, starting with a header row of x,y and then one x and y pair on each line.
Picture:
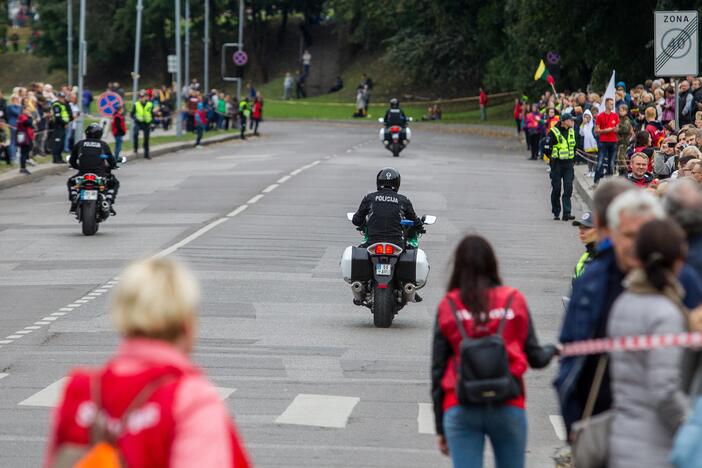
x,y
381,212
396,117
92,155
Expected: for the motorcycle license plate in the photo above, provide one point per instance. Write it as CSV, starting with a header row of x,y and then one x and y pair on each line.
x,y
383,269
395,136
89,195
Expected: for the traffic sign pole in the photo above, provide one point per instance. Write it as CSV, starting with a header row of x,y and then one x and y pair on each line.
x,y
677,104
179,124
206,77
137,50
69,19
186,65
82,56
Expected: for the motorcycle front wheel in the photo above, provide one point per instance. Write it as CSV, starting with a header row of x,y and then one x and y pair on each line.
x,y
383,307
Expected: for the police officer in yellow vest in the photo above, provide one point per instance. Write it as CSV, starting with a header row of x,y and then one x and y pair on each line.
x,y
588,236
560,148
143,115
61,117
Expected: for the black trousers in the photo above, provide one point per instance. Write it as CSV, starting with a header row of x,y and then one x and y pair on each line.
x,y
562,174
57,147
534,139
146,128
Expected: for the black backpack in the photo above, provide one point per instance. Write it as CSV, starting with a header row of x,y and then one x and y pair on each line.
x,y
483,366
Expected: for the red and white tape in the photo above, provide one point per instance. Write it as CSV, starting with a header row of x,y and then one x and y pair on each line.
x,y
632,343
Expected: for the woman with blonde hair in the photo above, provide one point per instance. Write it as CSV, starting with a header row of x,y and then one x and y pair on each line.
x,y
149,405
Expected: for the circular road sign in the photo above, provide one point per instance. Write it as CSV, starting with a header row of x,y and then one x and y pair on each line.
x,y
108,103
676,43
240,58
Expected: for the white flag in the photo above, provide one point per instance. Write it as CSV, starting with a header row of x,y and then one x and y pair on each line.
x,y
610,90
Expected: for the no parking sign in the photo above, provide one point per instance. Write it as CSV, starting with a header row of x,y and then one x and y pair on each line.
x,y
240,58
108,103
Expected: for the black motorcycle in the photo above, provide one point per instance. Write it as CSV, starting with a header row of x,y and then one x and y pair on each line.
x,y
395,138
93,204
384,276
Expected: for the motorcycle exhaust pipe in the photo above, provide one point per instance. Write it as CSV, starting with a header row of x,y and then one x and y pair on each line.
x,y
105,206
359,291
410,291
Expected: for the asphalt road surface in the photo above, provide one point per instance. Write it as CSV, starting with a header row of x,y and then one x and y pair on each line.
x,y
310,381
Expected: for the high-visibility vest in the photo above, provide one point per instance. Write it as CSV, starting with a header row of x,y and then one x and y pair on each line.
x,y
580,266
143,112
64,111
564,149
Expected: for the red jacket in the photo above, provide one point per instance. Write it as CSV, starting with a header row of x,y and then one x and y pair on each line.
x,y
119,128
183,423
257,110
24,125
483,98
514,334
517,112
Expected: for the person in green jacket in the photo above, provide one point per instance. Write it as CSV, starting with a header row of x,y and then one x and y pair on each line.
x,y
244,114
588,236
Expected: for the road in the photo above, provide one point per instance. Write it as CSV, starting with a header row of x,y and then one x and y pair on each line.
x,y
308,378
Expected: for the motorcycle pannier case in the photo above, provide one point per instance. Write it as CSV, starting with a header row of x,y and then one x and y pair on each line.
x,y
356,265
413,267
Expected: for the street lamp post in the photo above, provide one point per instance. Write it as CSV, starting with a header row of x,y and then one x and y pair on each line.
x,y
137,50
206,40
187,43
82,68
69,20
179,124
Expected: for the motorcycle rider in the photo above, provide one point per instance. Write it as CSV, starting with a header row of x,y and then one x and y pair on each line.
x,y
396,117
92,155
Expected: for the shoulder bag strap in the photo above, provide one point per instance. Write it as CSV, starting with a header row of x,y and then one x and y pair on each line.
x,y
503,320
595,388
459,324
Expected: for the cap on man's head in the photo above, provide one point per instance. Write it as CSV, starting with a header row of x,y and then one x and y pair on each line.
x,y
61,94
566,116
585,220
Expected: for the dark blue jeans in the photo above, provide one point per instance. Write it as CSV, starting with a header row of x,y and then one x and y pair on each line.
x,y
605,159
466,428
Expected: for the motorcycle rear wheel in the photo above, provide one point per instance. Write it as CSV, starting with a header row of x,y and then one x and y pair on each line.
x,y
384,307
396,150
88,218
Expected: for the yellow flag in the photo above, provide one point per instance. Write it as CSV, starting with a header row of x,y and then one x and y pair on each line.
x,y
540,71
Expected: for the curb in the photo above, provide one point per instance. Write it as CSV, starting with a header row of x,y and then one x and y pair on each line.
x,y
583,184
13,180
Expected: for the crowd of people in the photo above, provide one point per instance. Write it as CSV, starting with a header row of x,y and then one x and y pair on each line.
x,y
39,120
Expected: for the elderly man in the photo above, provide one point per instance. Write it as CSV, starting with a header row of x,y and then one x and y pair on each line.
x,y
664,159
638,174
686,103
620,210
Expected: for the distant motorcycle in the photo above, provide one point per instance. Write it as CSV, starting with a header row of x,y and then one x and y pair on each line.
x,y
93,206
395,138
384,277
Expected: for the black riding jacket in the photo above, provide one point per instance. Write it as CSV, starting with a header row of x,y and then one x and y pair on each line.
x,y
92,156
395,117
382,212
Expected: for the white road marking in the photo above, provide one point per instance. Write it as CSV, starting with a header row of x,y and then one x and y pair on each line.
x,y
314,163
191,237
50,319
41,322
237,211
5,341
66,309
101,291
348,150
296,172
225,392
283,179
425,419
558,426
107,286
23,332
3,375
13,337
47,397
254,199
32,327
82,301
318,410
95,294
270,188
74,305
58,314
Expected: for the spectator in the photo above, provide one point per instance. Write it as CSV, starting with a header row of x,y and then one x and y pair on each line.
x,y
639,175
534,130
287,86
72,102
14,109
664,159
244,115
654,127
119,129
257,113
590,145
155,311
367,84
517,114
685,101
360,102
588,237
25,137
596,290
606,125
669,106
200,119
646,384
86,101
338,85
624,133
696,172
483,101
221,111
300,91
478,302
4,143
306,62
683,203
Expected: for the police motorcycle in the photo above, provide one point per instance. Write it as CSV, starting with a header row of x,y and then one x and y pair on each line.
x,y
395,138
385,277
93,202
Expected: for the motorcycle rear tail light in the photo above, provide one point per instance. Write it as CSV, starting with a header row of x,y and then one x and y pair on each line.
x,y
379,250
89,177
395,129
389,250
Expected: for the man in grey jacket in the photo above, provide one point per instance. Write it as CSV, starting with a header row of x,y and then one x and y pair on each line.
x,y
664,159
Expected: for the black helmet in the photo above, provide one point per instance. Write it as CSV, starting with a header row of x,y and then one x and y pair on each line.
x,y
94,131
394,103
388,177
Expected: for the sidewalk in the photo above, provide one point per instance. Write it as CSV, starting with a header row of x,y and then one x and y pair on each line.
x,y
583,184
13,178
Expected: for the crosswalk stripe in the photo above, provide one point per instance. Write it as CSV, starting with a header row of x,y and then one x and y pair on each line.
x,y
46,397
3,375
318,410
425,419
558,426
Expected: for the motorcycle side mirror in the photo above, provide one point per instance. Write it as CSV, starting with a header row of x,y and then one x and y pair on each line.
x,y
349,216
410,119
381,120
429,219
